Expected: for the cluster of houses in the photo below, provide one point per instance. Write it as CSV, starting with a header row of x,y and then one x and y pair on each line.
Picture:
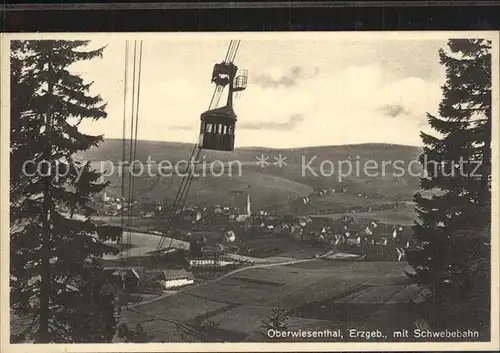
x,y
111,206
207,249
346,233
223,227
343,233
304,203
206,255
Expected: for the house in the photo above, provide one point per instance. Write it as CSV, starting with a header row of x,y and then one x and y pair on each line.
x,y
212,251
338,239
241,218
230,236
281,229
129,278
303,220
322,192
249,222
210,256
315,230
232,249
296,231
339,226
265,224
196,242
355,229
175,278
353,240
382,241
200,262
305,200
402,240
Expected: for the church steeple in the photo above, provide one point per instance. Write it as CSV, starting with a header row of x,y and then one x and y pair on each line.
x,y
249,206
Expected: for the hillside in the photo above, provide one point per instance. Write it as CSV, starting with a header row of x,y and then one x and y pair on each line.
x,y
272,187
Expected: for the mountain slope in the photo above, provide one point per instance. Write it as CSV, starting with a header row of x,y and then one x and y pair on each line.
x,y
226,177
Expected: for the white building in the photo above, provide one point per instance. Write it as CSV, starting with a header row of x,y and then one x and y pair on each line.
x,y
176,278
201,262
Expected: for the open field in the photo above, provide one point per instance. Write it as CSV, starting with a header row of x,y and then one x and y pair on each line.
x,y
142,244
135,222
317,294
279,245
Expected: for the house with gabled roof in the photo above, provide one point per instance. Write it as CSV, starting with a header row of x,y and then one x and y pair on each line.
x,y
171,278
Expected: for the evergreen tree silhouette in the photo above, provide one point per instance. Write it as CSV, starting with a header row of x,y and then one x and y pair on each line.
x,y
276,319
453,225
56,277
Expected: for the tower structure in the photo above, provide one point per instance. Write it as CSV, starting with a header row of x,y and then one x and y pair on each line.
x,y
249,206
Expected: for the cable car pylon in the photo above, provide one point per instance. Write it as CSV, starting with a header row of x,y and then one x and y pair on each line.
x,y
217,128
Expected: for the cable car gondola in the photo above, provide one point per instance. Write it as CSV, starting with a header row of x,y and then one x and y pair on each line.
x,y
217,127
217,130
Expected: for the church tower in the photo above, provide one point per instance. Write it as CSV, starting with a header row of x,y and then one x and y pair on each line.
x,y
249,206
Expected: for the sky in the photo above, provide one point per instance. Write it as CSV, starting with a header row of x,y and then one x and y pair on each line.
x,y
300,92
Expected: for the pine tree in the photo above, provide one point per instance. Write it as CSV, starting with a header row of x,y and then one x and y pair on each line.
x,y
206,330
56,278
453,225
137,335
276,319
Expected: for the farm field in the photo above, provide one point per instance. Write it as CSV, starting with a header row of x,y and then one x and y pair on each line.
x,y
315,291
401,216
279,246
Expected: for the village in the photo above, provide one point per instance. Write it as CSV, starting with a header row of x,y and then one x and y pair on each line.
x,y
189,214
209,242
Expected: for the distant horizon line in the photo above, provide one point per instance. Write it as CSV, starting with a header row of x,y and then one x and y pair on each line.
x,y
277,148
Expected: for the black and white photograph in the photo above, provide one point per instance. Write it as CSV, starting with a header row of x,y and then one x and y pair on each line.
x,y
250,188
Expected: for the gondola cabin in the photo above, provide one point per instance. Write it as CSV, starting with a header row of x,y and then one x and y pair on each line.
x,y
217,130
